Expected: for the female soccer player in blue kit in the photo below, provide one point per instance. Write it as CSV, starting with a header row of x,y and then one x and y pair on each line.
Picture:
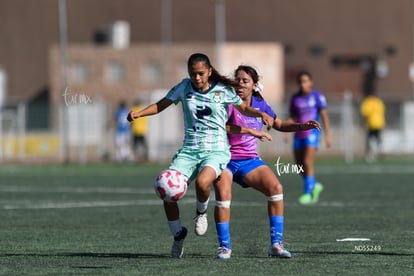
x,y
308,104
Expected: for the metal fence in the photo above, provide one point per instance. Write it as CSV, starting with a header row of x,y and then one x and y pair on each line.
x,y
88,135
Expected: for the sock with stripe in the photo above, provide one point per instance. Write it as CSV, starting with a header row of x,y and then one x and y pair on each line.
x,y
223,233
276,228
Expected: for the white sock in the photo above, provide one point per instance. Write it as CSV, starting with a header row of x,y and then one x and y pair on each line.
x,y
174,226
202,206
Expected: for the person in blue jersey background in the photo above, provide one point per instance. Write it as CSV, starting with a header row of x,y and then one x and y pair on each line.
x,y
308,104
122,134
205,97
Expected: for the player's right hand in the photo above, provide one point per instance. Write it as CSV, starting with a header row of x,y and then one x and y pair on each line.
x,y
131,116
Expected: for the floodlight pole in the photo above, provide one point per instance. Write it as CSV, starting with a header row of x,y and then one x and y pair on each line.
x,y
166,22
411,64
63,38
220,18
165,35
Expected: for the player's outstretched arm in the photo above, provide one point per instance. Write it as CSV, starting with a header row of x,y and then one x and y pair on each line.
x,y
251,112
326,125
291,126
149,110
261,135
287,134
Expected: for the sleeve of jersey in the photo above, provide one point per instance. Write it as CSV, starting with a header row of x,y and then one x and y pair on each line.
x,y
232,97
230,110
175,94
321,101
270,111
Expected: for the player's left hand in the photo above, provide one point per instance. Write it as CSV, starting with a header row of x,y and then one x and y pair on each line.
x,y
328,142
132,115
261,135
310,125
268,120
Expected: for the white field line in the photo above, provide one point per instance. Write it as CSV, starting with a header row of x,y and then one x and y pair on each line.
x,y
82,190
365,169
69,205
352,239
83,204
351,169
27,204
9,204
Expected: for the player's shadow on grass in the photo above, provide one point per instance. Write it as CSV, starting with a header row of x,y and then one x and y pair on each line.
x,y
115,255
88,254
164,256
101,255
128,255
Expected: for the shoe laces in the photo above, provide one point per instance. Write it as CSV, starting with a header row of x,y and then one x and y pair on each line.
x,y
223,250
278,245
200,216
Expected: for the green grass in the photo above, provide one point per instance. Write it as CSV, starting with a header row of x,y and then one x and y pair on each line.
x,y
106,220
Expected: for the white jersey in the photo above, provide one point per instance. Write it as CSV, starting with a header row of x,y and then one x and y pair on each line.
x,y
205,114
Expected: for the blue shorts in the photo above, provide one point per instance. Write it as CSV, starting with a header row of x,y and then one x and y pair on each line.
x,y
312,140
240,168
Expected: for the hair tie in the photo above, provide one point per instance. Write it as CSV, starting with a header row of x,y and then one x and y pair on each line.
x,y
259,87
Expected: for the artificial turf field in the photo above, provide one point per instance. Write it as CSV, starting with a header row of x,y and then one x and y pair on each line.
x,y
106,220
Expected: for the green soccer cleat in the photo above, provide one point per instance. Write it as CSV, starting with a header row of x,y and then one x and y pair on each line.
x,y
306,199
316,192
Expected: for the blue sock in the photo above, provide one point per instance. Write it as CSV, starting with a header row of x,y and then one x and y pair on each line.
x,y
223,233
309,182
276,228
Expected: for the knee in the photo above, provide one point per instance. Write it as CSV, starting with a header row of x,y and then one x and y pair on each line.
x,y
202,187
202,183
276,189
222,194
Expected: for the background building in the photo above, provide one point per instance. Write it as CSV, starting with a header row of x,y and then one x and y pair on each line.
x,y
356,46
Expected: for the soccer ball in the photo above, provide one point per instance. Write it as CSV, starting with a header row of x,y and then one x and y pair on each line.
x,y
170,185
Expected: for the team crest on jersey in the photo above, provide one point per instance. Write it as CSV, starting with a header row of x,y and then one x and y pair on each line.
x,y
217,97
312,101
